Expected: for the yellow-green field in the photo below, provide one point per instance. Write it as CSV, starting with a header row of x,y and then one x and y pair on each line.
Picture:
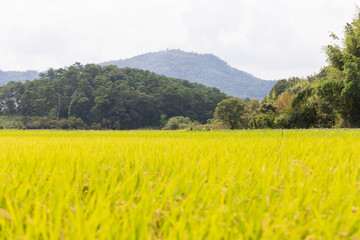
x,y
180,185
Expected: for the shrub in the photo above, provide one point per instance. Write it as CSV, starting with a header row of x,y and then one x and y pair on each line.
x,y
178,122
96,126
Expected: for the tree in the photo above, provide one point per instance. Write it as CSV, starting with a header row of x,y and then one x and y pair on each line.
x,y
284,101
351,95
265,118
230,111
252,109
10,107
346,70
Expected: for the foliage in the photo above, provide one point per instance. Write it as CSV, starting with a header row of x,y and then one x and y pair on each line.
x,y
230,111
282,86
109,97
252,108
284,102
263,120
178,122
345,83
328,99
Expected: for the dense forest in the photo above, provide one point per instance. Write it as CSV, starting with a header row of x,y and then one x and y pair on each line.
x,y
97,97
328,99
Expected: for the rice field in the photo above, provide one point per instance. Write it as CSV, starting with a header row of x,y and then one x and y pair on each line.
x,y
296,184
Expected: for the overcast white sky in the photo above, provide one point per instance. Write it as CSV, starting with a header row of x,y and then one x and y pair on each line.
x,y
270,39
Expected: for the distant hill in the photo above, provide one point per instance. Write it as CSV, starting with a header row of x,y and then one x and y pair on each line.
x,y
206,69
17,76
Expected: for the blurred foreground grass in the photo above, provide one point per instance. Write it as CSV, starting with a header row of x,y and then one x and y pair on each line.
x,y
300,184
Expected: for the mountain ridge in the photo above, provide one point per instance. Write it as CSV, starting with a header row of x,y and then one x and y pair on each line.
x,y
206,69
22,76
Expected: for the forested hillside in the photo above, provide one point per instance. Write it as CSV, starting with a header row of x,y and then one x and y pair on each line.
x,y
7,76
105,97
206,69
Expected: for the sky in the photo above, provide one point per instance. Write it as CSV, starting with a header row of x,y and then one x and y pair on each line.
x,y
270,39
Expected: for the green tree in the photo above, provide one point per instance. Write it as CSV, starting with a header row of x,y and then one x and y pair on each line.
x,y
345,62
230,111
10,107
351,95
252,109
265,118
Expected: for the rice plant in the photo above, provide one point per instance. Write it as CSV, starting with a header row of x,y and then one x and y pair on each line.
x,y
296,184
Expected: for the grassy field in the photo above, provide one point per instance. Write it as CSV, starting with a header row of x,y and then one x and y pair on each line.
x,y
180,185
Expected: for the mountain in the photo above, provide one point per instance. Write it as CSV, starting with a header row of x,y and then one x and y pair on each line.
x,y
17,76
206,69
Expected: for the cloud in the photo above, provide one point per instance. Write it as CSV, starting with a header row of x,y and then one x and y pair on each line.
x,y
270,39
87,31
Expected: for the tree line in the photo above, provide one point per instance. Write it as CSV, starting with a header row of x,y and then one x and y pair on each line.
x,y
328,99
108,97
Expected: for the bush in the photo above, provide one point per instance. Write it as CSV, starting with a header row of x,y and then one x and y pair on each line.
x,y
263,120
178,122
214,124
96,126
282,121
46,123
36,122
20,125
